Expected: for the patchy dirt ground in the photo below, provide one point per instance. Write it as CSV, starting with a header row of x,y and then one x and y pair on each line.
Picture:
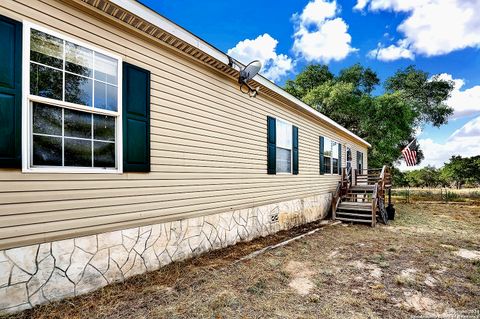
x,y
426,262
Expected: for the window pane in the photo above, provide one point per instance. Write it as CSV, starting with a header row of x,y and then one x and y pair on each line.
x,y
327,164
284,160
78,59
327,147
77,124
46,49
349,154
46,82
334,149
78,89
47,119
104,154
78,153
104,127
335,165
105,96
47,150
105,68
284,135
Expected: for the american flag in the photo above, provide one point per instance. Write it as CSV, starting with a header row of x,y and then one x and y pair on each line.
x,y
409,153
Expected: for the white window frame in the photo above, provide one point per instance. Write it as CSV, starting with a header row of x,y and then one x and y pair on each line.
x,y
291,147
337,158
331,154
28,99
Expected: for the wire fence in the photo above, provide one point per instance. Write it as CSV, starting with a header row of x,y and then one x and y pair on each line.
x,y
445,195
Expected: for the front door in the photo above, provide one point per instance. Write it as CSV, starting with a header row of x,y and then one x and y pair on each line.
x,y
360,162
349,158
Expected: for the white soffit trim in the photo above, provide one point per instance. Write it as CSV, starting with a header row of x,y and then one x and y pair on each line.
x,y
163,23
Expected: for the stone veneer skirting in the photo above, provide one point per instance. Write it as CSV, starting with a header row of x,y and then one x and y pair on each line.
x,y
41,273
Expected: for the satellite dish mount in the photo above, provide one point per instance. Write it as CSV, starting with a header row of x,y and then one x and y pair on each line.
x,y
246,74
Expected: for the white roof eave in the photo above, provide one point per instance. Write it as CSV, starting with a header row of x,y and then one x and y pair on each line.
x,y
163,23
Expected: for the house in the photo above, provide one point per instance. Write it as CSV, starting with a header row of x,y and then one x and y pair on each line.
x,y
126,144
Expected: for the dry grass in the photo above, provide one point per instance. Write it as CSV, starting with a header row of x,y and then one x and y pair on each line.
x,y
342,263
448,195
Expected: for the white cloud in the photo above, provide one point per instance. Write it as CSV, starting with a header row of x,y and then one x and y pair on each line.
x,y
361,4
263,48
470,129
464,102
319,34
393,52
434,27
464,142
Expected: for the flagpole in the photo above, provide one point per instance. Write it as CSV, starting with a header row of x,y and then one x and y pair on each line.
x,y
411,142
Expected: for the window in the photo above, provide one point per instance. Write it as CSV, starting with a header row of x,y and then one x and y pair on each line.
x,y
284,147
334,157
360,162
330,156
349,157
73,108
327,155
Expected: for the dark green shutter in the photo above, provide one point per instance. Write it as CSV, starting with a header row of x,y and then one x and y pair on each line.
x,y
136,119
321,158
271,145
10,93
295,150
359,155
339,159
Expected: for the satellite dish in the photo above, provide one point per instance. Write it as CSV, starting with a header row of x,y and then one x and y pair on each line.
x,y
250,71
246,74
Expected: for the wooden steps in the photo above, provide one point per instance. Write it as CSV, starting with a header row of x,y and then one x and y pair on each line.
x,y
354,220
362,188
342,214
356,206
359,198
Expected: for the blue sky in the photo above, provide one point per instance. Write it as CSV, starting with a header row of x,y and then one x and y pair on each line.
x,y
440,37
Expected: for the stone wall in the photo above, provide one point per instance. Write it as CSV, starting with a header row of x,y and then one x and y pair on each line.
x,y
45,272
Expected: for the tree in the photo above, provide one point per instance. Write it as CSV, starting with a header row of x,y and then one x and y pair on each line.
x,y
364,79
425,95
388,121
460,171
312,76
398,178
338,100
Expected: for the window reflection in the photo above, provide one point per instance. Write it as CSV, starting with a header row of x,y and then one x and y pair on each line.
x,y
78,89
46,49
75,76
78,153
46,82
78,59
64,71
52,126
47,119
77,124
47,150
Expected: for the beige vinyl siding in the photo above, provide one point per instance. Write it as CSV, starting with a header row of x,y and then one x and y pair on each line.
x,y
208,147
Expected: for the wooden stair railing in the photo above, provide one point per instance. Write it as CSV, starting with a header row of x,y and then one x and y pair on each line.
x,y
362,197
342,187
374,204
